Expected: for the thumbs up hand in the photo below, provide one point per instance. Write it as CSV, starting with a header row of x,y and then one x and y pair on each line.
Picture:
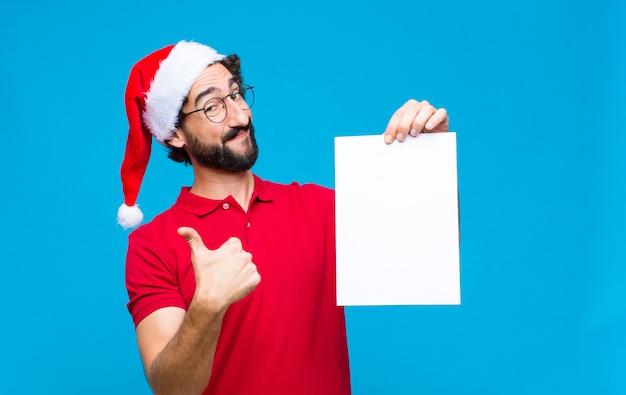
x,y
224,275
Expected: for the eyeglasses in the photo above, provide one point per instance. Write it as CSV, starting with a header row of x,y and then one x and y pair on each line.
x,y
216,110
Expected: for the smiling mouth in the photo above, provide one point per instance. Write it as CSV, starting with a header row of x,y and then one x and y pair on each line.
x,y
233,133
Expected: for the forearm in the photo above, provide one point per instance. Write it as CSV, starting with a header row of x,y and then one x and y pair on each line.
x,y
184,365
179,359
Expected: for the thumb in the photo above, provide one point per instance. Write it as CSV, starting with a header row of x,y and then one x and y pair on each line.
x,y
193,239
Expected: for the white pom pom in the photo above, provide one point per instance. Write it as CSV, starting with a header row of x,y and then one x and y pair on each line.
x,y
129,216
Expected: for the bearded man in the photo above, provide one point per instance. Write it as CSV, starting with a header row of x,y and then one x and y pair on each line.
x,y
232,289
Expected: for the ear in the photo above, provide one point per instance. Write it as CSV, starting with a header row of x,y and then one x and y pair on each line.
x,y
178,139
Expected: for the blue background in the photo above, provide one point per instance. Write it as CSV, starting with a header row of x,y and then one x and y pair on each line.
x,y
536,91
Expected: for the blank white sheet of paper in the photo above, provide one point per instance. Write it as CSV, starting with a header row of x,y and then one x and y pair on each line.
x,y
397,221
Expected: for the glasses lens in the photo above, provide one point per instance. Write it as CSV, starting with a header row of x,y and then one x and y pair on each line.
x,y
247,94
215,110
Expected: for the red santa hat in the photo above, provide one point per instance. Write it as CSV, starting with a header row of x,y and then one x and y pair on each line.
x,y
157,87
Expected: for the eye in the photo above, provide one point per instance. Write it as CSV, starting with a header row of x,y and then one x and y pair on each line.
x,y
236,96
213,106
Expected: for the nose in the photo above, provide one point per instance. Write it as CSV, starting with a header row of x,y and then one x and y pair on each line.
x,y
236,116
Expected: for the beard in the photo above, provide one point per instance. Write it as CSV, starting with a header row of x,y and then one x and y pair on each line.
x,y
219,156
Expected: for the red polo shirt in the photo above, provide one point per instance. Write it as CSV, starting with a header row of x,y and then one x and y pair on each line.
x,y
287,336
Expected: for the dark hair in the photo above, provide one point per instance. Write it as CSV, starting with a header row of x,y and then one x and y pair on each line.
x,y
233,64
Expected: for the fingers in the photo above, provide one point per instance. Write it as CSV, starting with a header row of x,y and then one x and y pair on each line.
x,y
231,246
193,239
394,130
414,118
223,275
424,114
439,122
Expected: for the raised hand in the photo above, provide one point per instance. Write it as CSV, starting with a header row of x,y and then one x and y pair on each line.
x,y
415,117
223,276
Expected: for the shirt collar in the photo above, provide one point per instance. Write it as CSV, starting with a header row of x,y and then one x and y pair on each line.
x,y
200,206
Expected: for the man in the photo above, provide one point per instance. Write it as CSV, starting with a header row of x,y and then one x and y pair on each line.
x,y
232,290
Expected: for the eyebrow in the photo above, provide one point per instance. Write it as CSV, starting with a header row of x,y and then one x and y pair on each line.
x,y
210,90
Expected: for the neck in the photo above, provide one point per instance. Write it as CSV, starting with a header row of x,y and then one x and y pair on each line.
x,y
219,184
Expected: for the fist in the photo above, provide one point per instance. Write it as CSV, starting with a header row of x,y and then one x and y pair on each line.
x,y
224,275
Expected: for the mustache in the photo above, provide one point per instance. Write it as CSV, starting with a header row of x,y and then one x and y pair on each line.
x,y
234,132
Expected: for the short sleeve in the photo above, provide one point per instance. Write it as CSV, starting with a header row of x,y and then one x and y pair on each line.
x,y
151,281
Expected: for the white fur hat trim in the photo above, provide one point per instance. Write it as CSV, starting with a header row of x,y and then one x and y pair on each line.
x,y
129,216
171,85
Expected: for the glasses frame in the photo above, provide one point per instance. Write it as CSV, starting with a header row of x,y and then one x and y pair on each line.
x,y
242,91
